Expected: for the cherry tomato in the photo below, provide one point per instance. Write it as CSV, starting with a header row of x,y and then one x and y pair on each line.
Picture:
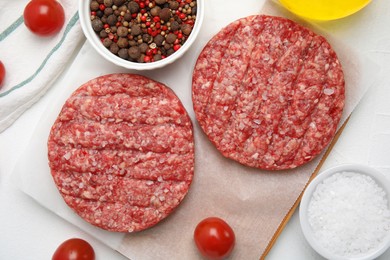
x,y
214,238
74,249
2,73
44,17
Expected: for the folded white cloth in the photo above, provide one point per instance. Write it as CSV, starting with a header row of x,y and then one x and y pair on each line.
x,y
32,63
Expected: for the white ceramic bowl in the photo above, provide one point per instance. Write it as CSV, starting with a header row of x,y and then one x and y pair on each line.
x,y
380,179
85,21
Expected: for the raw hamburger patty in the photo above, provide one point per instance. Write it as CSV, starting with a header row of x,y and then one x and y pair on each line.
x,y
121,152
268,92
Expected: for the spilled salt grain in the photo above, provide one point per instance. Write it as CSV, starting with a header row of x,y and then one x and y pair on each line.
x,y
349,214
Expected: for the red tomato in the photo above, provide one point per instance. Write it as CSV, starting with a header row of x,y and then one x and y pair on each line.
x,y
74,249
44,17
214,238
2,73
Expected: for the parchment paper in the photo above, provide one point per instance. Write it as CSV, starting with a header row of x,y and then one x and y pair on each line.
x,y
254,202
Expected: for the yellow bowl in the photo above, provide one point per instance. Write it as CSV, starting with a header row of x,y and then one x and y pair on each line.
x,y
324,9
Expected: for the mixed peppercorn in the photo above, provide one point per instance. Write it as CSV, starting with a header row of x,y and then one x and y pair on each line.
x,y
143,30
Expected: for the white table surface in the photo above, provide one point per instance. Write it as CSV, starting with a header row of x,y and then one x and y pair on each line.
x,y
29,231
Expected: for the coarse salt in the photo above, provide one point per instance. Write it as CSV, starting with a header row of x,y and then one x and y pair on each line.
x,y
349,214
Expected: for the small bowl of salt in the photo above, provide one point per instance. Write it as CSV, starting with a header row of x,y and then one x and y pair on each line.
x,y
345,213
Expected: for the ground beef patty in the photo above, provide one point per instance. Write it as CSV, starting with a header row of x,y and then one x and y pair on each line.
x,y
121,152
268,92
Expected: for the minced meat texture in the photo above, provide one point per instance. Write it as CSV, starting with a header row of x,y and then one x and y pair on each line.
x,y
268,92
121,152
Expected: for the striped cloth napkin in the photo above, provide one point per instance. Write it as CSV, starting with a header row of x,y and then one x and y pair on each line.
x,y
32,63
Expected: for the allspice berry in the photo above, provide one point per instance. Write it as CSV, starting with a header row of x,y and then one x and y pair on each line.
x,y
186,28
155,11
147,38
123,53
159,39
165,14
161,2
103,34
157,57
108,11
107,3
122,31
143,47
134,52
133,7
127,17
122,42
175,26
174,5
171,38
94,6
97,25
107,42
112,19
136,29
119,2
114,48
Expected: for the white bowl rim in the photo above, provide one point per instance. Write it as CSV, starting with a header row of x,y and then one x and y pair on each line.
x,y
380,179
93,39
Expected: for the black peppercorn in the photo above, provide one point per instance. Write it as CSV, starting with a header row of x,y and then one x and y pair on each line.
x,y
99,13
